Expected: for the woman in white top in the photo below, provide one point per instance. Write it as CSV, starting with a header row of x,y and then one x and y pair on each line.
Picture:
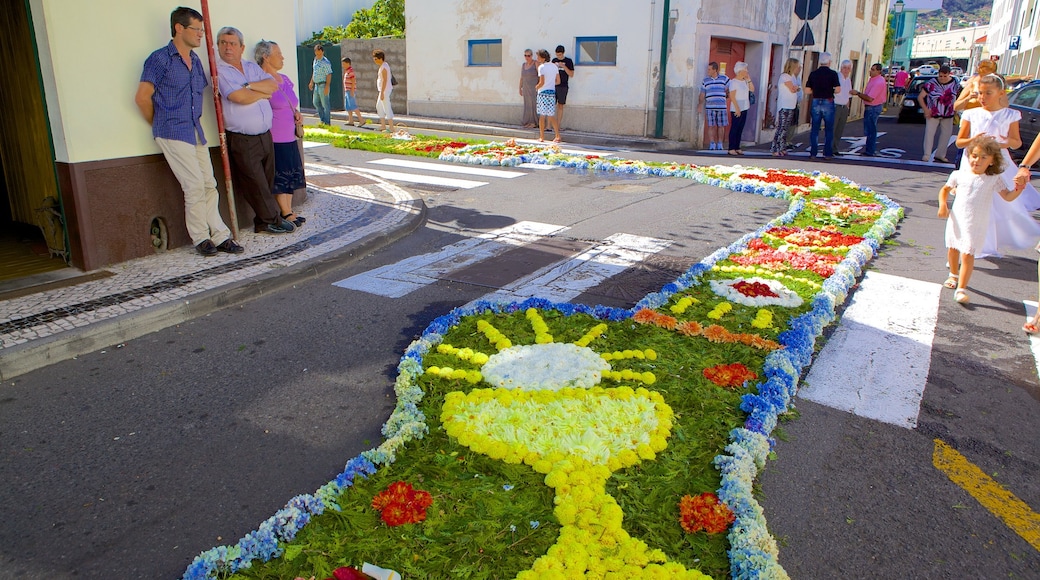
x,y
786,101
385,88
548,76
740,87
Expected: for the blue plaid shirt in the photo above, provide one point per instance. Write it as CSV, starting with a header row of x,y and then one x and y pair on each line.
x,y
178,95
322,70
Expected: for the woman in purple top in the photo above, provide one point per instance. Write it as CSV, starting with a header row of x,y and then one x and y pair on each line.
x,y
288,166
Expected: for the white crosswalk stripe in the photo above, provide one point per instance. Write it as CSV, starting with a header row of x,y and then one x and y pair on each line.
x,y
876,363
560,281
446,168
418,178
565,281
401,278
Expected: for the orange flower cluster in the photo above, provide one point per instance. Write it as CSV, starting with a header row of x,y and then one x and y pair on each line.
x,y
704,512
729,376
714,333
647,316
402,504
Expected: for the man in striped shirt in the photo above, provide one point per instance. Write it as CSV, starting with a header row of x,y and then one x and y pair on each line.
x,y
170,99
713,99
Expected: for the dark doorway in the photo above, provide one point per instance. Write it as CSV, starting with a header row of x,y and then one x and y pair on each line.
x,y
30,204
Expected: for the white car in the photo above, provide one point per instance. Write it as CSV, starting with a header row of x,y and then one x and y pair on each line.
x,y
925,70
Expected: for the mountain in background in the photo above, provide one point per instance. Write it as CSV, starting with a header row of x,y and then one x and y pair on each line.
x,y
965,14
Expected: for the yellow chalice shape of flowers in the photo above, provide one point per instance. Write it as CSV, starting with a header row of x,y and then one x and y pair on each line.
x,y
548,412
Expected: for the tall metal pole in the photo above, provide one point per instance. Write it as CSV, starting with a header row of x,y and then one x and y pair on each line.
x,y
665,25
232,214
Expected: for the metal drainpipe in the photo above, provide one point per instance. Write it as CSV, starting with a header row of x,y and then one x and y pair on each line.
x,y
665,25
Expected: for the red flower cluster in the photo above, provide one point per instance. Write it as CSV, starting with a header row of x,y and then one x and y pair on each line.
x,y
440,146
783,178
762,254
704,512
729,376
814,237
402,504
754,289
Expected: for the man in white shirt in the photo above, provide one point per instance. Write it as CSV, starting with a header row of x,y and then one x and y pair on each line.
x,y
841,102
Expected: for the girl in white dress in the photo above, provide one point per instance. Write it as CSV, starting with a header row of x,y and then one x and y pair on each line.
x,y
976,190
1011,225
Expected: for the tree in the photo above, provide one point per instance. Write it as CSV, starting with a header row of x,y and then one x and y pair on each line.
x,y
384,18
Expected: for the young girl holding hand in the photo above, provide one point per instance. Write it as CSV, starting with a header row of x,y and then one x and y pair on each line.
x,y
1011,225
976,189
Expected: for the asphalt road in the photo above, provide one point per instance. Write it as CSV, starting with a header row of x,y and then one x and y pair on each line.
x,y
127,462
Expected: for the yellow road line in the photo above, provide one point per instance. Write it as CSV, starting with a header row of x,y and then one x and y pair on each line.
x,y
1000,502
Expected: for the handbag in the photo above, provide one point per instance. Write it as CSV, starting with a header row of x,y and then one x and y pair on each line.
x,y
298,123
751,97
393,80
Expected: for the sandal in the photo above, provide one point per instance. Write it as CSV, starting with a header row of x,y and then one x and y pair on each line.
x,y
961,297
1031,327
297,221
951,282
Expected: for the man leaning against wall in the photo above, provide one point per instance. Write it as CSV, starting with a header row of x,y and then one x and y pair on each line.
x,y
170,99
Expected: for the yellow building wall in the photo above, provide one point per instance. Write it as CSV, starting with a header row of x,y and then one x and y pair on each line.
x,y
92,53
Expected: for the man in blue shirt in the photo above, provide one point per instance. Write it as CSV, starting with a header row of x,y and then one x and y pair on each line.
x,y
170,99
714,89
321,81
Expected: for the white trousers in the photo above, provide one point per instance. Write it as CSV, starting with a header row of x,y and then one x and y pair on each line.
x,y
192,167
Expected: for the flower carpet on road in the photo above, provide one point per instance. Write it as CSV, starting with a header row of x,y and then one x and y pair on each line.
x,y
555,440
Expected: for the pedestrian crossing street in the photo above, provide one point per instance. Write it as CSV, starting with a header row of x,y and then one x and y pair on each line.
x,y
875,364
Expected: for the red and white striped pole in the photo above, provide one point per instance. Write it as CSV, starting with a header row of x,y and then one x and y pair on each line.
x,y
220,120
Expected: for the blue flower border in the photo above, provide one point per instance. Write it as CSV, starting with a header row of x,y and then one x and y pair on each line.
x,y
753,552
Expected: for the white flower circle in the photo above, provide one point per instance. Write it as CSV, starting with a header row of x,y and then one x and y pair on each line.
x,y
552,366
784,295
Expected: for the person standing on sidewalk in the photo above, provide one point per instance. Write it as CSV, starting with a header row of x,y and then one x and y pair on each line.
x,y
899,81
566,66
350,104
874,96
937,100
170,99
384,88
821,84
713,99
738,96
788,88
245,94
285,118
548,74
841,102
321,83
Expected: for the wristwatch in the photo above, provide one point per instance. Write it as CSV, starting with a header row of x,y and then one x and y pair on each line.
x,y
246,85
1025,165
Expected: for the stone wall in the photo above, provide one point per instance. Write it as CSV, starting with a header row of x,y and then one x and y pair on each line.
x,y
359,51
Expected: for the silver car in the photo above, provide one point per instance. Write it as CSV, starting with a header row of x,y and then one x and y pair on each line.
x,y
1026,100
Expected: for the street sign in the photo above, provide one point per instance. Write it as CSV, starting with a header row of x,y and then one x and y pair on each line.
x,y
1015,40
807,9
804,37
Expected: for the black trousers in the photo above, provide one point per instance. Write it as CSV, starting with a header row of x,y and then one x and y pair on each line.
x,y
252,175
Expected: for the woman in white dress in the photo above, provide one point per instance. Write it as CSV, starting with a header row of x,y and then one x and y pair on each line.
x,y
979,188
1011,225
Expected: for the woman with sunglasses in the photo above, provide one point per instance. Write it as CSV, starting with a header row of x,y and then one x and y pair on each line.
x,y
528,81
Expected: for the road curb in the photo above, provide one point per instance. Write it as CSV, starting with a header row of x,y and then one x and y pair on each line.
x,y
37,354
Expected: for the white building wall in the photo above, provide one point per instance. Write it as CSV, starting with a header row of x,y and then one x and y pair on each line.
x,y
955,44
612,99
90,76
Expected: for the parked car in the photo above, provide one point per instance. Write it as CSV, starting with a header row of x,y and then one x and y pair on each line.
x,y
910,111
1026,100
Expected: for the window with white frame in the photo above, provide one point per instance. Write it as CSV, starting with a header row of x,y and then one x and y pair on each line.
x,y
596,51
485,52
